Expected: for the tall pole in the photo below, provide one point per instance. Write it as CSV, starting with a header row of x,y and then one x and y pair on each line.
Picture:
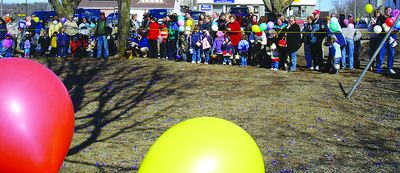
x,y
26,8
1,13
355,9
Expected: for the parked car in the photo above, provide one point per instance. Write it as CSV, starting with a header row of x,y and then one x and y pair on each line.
x,y
159,13
113,18
88,13
362,24
242,15
45,15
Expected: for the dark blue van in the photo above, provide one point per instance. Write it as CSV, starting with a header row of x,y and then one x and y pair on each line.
x,y
45,15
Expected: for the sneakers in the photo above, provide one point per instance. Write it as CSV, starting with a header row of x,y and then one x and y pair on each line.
x,y
316,68
193,62
205,62
275,69
311,68
198,62
391,71
230,63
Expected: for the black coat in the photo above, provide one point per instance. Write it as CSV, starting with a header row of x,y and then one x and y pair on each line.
x,y
293,38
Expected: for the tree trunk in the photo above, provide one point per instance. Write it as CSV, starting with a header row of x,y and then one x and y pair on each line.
x,y
277,6
64,8
123,26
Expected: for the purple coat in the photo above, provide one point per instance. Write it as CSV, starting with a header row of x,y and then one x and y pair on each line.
x,y
8,43
217,46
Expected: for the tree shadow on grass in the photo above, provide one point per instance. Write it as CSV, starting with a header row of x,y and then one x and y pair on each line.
x,y
116,92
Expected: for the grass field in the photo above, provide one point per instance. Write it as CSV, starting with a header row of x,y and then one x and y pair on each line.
x,y
301,121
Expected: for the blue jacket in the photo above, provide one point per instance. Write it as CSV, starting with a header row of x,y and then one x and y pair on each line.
x,y
143,43
62,39
196,37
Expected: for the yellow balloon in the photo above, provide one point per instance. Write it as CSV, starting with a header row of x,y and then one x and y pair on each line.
x,y
189,22
204,145
256,28
296,0
369,8
36,19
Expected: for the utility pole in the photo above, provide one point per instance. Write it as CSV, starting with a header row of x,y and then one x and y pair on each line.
x,y
26,8
355,10
1,13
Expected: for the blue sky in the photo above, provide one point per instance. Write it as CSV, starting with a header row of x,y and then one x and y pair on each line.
x,y
326,4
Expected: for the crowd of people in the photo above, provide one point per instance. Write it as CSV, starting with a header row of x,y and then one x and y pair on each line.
x,y
225,39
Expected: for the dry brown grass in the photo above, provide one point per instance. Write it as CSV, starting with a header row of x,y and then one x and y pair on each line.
x,y
301,121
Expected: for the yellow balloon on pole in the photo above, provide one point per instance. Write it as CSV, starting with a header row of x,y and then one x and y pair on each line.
x,y
204,145
369,8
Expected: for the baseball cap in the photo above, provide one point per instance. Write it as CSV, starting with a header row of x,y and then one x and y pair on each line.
x,y
316,12
102,13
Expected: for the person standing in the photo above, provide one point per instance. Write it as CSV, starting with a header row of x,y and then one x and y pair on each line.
x,y
235,33
316,41
100,32
294,42
387,46
152,36
307,42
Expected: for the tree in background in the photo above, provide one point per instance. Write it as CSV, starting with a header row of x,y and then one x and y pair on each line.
x,y
123,26
346,7
277,6
65,8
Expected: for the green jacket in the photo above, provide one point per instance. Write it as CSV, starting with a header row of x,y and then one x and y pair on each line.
x,y
101,27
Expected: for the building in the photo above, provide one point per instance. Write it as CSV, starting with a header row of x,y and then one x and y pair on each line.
x,y
301,8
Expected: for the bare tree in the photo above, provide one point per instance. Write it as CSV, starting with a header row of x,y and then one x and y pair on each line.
x,y
123,25
277,6
347,7
65,8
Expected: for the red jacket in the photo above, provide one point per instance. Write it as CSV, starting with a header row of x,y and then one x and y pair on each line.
x,y
236,33
154,31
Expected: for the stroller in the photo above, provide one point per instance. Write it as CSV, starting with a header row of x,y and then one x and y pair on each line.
x,y
182,47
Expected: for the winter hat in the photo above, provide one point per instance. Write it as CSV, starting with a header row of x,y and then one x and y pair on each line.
x,y
220,34
273,46
259,34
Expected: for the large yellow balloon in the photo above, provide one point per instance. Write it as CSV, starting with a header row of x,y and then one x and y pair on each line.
x,y
204,145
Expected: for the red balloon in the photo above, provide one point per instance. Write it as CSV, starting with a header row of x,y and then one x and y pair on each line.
x,y
389,22
36,118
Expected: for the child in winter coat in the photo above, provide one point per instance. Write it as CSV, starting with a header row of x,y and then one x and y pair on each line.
x,y
243,48
334,52
195,44
217,46
206,43
7,46
27,45
53,44
228,51
62,44
274,53
44,42
182,48
78,46
164,39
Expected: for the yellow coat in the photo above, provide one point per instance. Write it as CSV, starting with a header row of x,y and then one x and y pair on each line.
x,y
53,42
54,28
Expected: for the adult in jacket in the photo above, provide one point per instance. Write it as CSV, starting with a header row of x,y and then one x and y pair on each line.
x,y
152,36
294,42
235,32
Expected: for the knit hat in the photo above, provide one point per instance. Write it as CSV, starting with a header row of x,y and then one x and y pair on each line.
x,y
273,46
220,34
